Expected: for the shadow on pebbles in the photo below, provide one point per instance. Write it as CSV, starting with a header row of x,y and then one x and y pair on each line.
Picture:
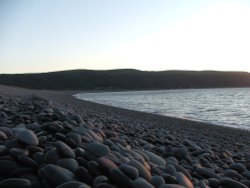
x,y
44,146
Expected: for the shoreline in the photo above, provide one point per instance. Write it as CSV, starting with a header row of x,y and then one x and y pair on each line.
x,y
199,154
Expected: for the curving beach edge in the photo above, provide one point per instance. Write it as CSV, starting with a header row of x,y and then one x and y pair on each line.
x,y
84,144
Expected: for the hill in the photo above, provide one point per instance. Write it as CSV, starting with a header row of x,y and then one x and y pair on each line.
x,y
127,79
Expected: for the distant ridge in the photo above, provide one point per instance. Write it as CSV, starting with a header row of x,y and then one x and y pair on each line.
x,y
126,79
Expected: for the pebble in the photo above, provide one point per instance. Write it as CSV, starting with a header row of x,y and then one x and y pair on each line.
x,y
120,178
183,180
15,182
143,172
141,183
64,149
206,173
98,149
131,171
68,163
230,183
155,158
100,179
56,175
171,186
28,137
157,181
106,164
180,153
73,184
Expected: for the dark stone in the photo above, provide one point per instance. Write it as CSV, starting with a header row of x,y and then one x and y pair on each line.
x,y
238,167
229,183
28,161
15,182
171,186
206,173
183,180
64,149
100,179
141,183
28,137
84,175
130,171
157,181
56,175
98,149
52,156
120,178
68,163
143,172
213,182
106,164
180,153
153,158
105,185
15,152
7,167
73,184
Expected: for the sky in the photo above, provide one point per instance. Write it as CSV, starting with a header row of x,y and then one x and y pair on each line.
x,y
152,35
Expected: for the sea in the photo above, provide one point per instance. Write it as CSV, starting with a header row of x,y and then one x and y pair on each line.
x,y
227,107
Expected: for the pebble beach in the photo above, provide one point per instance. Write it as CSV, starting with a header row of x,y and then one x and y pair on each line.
x,y
51,139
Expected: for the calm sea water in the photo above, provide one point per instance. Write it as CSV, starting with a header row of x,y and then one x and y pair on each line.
x,y
227,107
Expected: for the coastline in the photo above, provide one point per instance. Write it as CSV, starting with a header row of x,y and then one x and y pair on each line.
x,y
203,151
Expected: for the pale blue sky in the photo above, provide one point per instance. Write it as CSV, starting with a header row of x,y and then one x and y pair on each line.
x,y
50,35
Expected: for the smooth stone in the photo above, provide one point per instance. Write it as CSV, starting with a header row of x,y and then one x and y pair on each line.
x,y
170,169
56,175
30,162
106,164
183,180
52,156
141,183
22,170
213,182
84,175
3,150
229,183
75,137
72,184
105,185
98,149
15,182
171,186
131,171
207,173
238,167
7,167
93,168
3,136
68,163
38,157
153,158
28,137
110,134
15,152
143,172
180,153
232,174
64,149
157,181
120,178
100,179
179,168
246,174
